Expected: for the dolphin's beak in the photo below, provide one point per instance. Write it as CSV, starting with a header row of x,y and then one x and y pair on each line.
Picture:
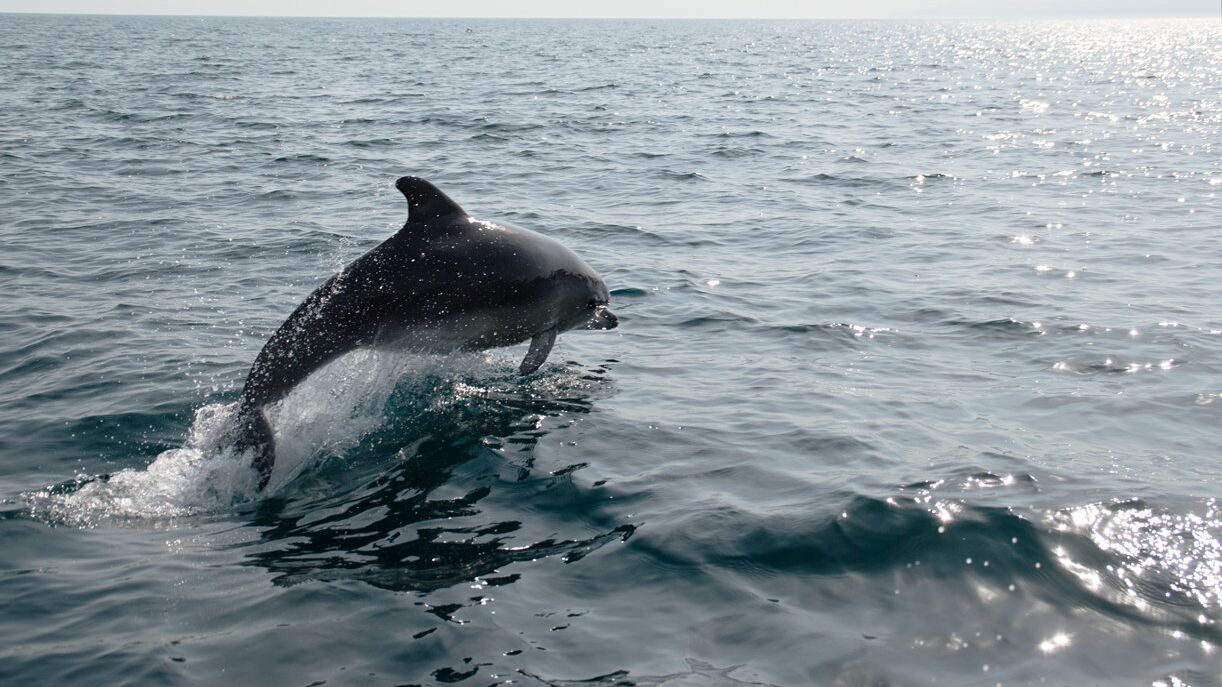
x,y
602,318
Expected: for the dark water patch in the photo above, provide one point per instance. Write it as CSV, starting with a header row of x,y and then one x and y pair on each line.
x,y
395,99
824,179
371,142
448,122
257,126
45,274
506,127
148,170
834,333
676,175
1010,300
1006,327
303,157
930,315
629,292
27,364
569,469
277,195
398,566
69,104
639,234
732,153
753,133
717,322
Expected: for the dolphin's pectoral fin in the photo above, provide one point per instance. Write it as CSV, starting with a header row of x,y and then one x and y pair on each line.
x,y
540,346
254,433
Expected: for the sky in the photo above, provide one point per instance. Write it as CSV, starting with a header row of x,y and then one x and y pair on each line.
x,y
634,8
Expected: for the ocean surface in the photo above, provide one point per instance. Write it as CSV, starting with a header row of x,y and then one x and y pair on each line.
x,y
918,379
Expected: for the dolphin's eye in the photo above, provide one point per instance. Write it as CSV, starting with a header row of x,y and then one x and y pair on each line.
x,y
592,304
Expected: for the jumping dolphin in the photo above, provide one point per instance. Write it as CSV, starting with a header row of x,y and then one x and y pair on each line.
x,y
445,282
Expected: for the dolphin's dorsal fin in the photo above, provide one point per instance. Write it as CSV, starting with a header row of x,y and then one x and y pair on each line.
x,y
425,201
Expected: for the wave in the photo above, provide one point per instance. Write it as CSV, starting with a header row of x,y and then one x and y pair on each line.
x,y
1125,560
825,179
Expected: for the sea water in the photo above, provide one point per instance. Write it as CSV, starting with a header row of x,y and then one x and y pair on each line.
x,y
917,379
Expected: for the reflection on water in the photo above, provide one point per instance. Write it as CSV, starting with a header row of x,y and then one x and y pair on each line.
x,y
403,530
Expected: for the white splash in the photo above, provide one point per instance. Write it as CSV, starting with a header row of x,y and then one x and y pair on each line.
x,y
325,416
198,477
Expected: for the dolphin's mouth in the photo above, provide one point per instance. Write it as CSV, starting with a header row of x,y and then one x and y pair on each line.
x,y
602,318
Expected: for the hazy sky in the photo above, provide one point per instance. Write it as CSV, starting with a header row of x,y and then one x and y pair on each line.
x,y
633,8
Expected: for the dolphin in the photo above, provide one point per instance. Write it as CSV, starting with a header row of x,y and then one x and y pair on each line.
x,y
445,282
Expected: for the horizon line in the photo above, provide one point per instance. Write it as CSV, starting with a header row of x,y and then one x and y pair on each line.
x,y
1046,17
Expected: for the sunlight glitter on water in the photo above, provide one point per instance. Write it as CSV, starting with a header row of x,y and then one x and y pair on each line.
x,y
1055,643
1185,549
877,281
